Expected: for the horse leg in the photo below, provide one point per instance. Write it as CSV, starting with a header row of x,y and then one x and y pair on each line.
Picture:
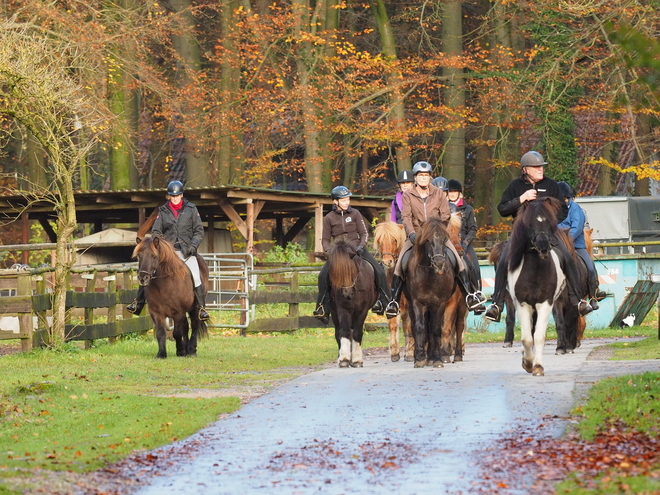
x,y
181,334
356,340
419,333
459,331
543,312
407,332
525,317
191,348
393,325
161,335
342,334
510,323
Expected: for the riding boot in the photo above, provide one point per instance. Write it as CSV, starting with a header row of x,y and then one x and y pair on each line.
x,y
138,303
596,293
201,300
392,310
320,312
474,300
381,303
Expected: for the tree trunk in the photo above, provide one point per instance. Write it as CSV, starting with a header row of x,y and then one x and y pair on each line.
x,y
453,157
397,106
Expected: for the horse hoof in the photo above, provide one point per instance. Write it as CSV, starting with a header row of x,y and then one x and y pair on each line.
x,y
161,356
508,344
420,364
438,364
527,366
344,364
458,359
560,352
357,364
395,357
408,359
538,370
446,359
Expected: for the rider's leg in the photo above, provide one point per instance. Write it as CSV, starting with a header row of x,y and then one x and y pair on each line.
x,y
473,299
138,303
570,270
381,283
392,309
322,311
201,301
594,292
494,311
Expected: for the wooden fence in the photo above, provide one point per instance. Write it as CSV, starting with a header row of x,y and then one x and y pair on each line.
x,y
99,292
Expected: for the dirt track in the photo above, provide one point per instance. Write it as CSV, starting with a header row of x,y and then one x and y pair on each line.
x,y
385,427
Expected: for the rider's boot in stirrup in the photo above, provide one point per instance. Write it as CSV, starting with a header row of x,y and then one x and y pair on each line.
x,y
392,310
474,300
199,294
320,313
493,313
138,303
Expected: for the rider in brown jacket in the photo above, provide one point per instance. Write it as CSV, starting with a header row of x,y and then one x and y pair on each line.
x,y
420,203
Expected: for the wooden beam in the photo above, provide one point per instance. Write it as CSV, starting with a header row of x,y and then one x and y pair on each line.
x,y
52,236
229,210
295,229
318,227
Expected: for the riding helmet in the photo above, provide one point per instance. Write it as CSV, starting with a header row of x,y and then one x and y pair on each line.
x,y
175,188
340,192
440,182
422,167
454,185
532,159
404,176
566,190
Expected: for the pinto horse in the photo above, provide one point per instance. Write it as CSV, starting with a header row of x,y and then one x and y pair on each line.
x,y
430,286
534,276
169,293
388,241
352,294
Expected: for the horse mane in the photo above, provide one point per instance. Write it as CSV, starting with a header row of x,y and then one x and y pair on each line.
x,y
565,236
170,263
528,214
389,230
589,241
145,228
341,268
429,228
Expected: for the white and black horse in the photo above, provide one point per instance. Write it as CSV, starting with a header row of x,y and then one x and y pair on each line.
x,y
535,278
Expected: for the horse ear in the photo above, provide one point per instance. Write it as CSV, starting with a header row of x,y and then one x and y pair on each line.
x,y
138,240
156,241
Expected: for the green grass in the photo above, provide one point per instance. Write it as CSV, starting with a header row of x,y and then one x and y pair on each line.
x,y
74,409
643,349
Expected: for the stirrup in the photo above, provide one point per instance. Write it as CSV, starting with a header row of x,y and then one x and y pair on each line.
x,y
135,307
378,308
584,308
497,313
319,312
593,302
392,310
473,301
203,315
600,295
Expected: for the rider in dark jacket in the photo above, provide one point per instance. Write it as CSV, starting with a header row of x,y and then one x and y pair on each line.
x,y
179,223
530,186
346,222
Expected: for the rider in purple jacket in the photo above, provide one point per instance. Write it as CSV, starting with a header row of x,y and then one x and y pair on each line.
x,y
405,180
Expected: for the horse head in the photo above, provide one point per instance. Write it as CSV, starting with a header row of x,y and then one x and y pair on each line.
x,y
540,222
433,239
388,241
148,258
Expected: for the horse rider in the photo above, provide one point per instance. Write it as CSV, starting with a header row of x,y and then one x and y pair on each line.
x,y
345,221
575,224
531,185
421,202
468,230
405,182
179,223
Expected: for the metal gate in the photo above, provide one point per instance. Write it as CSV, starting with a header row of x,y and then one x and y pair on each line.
x,y
230,282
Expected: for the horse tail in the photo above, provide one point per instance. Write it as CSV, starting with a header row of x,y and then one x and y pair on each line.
x,y
203,330
496,253
341,268
454,228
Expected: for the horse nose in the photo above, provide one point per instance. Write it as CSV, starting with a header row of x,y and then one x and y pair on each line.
x,y
144,279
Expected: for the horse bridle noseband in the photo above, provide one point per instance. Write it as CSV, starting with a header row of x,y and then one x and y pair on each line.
x,y
552,240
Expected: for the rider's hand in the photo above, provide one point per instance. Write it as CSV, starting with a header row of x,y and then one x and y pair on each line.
x,y
191,251
412,237
360,249
529,195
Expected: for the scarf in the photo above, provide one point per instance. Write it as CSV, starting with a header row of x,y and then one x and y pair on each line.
x,y
176,208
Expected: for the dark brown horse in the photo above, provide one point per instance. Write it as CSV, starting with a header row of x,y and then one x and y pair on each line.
x,y
430,286
168,287
352,294
388,241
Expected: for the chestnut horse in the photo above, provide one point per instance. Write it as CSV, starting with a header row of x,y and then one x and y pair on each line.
x,y
169,293
388,241
430,286
352,294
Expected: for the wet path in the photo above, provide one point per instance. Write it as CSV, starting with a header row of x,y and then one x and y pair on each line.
x,y
385,427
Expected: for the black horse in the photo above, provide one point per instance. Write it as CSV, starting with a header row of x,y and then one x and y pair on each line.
x,y
534,276
352,294
430,284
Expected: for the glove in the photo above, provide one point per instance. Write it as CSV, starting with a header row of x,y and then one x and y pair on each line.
x,y
412,237
360,249
191,251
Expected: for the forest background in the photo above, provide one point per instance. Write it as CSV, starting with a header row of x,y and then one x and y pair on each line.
x,y
304,94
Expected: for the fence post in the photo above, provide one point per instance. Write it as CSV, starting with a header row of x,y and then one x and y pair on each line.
x,y
89,312
293,287
112,309
24,288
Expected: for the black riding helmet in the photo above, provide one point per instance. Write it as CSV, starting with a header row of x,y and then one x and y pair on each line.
x,y
340,192
175,188
566,190
404,176
454,185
